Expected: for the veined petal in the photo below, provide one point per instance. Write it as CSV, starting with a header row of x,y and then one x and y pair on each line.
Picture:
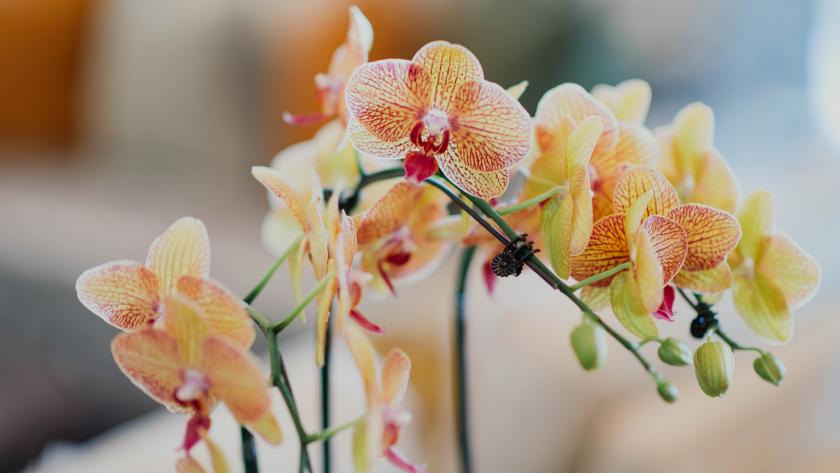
x,y
184,321
607,248
363,354
571,103
235,379
596,298
367,143
647,272
182,250
670,244
224,313
389,213
318,237
763,307
714,183
556,225
152,361
756,217
480,184
276,183
387,98
492,130
628,307
395,372
629,100
712,280
448,66
711,234
123,293
580,193
634,181
267,428
789,268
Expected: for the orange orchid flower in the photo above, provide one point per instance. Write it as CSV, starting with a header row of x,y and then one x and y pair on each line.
x,y
186,367
692,164
128,294
438,112
331,85
773,275
380,432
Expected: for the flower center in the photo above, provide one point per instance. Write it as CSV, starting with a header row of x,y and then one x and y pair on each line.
x,y
194,387
431,133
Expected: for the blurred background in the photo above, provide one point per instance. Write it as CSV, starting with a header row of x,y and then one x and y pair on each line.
x,y
119,116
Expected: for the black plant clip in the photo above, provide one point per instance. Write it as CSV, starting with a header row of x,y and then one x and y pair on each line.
x,y
706,320
511,260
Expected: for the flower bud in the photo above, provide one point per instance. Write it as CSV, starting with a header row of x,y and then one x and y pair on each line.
x,y
770,368
714,365
674,352
590,344
668,391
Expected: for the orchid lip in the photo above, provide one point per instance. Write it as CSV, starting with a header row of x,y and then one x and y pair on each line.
x,y
195,386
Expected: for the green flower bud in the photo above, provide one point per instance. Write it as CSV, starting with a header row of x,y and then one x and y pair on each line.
x,y
590,344
668,391
770,368
674,352
714,365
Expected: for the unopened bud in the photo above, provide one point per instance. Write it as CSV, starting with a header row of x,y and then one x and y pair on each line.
x,y
590,344
674,352
770,368
714,365
668,391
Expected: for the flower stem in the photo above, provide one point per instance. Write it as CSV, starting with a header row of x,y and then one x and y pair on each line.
x,y
325,395
600,276
274,267
525,204
733,344
332,431
701,306
461,393
280,326
249,451
280,379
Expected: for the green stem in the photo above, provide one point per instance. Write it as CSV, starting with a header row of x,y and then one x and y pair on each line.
x,y
332,431
525,204
277,263
461,393
280,326
361,169
249,450
600,276
280,379
735,345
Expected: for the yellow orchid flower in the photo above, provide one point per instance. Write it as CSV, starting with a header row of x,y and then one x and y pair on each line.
x,y
330,86
773,275
692,164
629,101
128,294
186,367
379,433
437,111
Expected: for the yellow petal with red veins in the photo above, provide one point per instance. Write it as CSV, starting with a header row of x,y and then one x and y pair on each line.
x,y
267,428
789,268
714,183
693,132
365,142
712,280
224,313
628,307
318,237
756,217
634,181
763,307
480,184
182,250
152,360
185,322
389,213
629,100
607,248
571,103
491,130
123,293
395,372
449,66
235,379
647,272
711,234
364,356
387,98
556,225
670,244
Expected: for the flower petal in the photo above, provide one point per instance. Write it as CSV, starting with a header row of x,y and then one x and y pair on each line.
x,y
693,128
714,183
389,213
634,181
267,428
367,143
276,183
556,225
491,129
395,372
756,217
322,318
185,322
647,271
790,268
711,234
182,250
712,280
279,230
448,66
763,307
235,379
571,103
628,307
153,361
123,293
480,184
188,465
363,354
670,244
607,248
629,100
217,457
223,312
596,298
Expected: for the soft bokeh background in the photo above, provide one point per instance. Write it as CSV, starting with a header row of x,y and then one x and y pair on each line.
x,y
119,116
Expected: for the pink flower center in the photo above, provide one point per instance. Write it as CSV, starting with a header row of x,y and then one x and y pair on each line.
x,y
194,387
431,133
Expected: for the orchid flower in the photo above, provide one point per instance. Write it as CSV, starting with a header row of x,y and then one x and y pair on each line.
x,y
773,275
629,101
330,86
186,367
437,112
128,294
692,164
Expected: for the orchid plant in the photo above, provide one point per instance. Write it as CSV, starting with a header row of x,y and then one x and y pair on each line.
x,y
603,210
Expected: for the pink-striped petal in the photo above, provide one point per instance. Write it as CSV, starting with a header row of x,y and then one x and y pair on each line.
x,y
123,293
